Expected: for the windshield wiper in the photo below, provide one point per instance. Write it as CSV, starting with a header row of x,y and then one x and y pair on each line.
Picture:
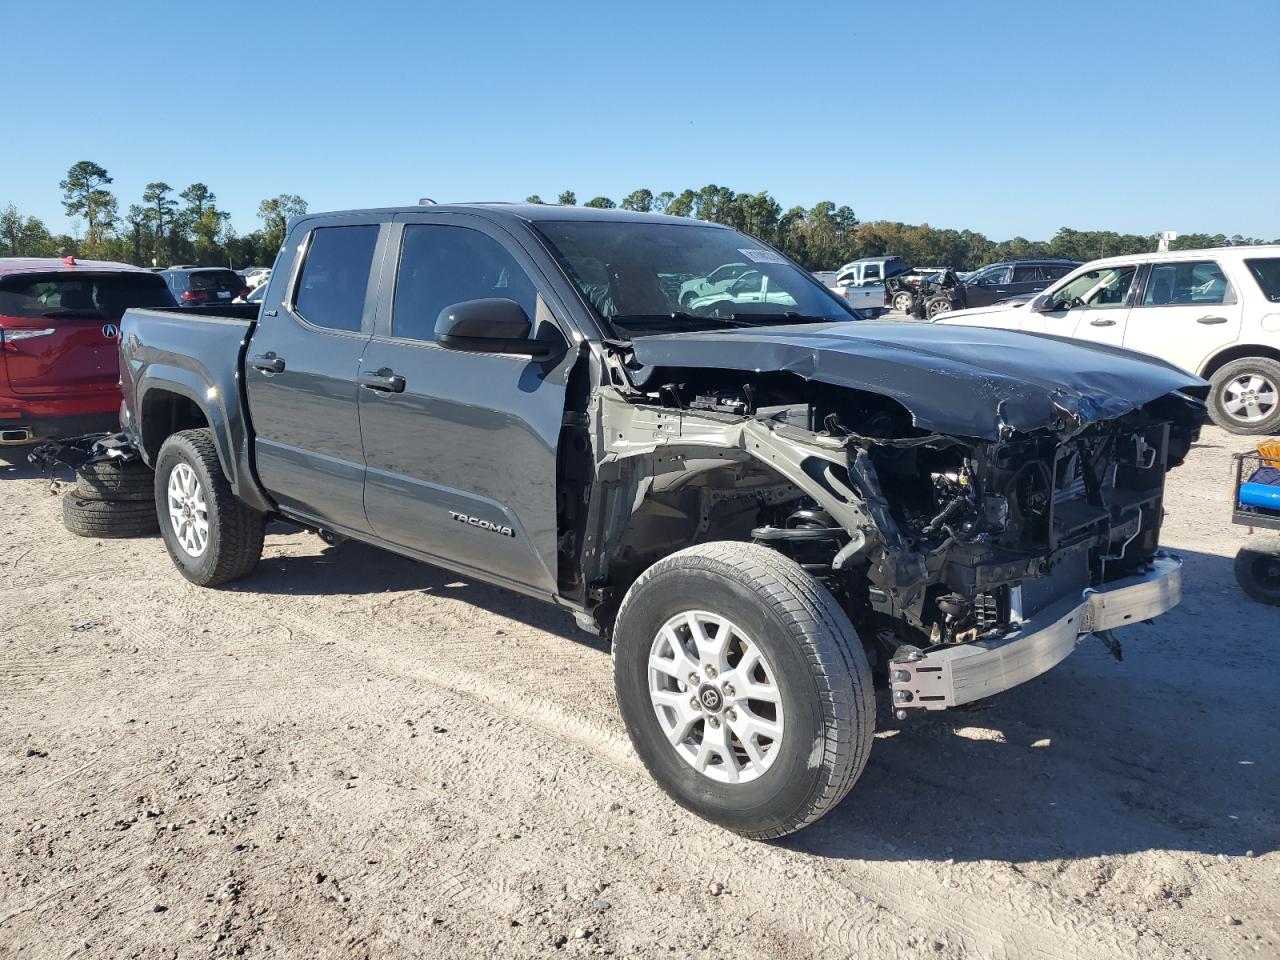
x,y
789,316
676,321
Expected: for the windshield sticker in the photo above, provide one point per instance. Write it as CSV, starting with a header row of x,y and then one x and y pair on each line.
x,y
762,256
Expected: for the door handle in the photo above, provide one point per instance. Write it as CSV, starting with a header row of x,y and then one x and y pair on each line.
x,y
1102,323
384,381
268,363
1210,321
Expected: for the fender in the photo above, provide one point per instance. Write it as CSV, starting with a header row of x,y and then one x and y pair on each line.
x,y
148,367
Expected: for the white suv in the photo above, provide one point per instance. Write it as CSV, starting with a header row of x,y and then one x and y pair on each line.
x,y
1213,312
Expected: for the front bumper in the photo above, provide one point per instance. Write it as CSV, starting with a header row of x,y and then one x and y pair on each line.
x,y
959,674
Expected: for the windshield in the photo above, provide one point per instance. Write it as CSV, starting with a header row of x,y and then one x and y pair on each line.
x,y
107,296
644,278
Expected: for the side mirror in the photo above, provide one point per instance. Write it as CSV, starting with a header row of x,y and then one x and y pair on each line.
x,y
1042,304
492,325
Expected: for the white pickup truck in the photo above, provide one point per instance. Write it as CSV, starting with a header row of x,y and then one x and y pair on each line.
x,y
1213,312
861,282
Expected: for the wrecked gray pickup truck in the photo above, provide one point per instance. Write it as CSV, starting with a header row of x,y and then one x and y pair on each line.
x,y
760,500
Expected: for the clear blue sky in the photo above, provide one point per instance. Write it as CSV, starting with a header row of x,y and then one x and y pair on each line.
x,y
1008,118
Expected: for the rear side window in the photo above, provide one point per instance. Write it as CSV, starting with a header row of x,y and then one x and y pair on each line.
x,y
1189,282
441,266
1055,272
1267,274
335,277
52,297
1026,274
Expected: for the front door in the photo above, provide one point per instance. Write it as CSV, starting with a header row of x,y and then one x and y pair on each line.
x,y
987,286
300,376
1094,305
1187,312
461,447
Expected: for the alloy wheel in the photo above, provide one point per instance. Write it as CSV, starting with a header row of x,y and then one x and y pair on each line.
x,y
1250,398
188,512
716,697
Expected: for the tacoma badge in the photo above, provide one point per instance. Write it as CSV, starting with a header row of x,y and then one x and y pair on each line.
x,y
482,524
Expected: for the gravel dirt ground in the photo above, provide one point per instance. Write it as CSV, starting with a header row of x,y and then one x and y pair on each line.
x,y
353,755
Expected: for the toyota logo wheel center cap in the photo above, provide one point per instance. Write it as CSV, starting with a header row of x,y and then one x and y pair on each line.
x,y
710,698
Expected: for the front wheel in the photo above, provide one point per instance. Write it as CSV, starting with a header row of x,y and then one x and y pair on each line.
x,y
212,536
744,687
1245,396
1257,570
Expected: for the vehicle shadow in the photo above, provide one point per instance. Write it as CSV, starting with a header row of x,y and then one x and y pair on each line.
x,y
351,568
1171,749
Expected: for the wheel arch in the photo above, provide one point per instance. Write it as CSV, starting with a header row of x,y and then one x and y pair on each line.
x,y
1237,351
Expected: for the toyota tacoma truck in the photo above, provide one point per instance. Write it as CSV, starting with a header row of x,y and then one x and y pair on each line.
x,y
763,502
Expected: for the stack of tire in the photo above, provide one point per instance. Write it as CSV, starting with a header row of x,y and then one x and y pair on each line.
x,y
112,498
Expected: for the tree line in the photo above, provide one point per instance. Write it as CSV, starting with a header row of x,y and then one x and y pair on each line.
x,y
165,227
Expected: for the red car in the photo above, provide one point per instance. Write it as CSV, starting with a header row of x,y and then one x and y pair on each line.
x,y
59,334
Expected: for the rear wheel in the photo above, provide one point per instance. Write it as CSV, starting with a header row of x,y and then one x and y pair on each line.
x,y
1258,570
108,519
212,536
902,302
1245,396
936,306
744,688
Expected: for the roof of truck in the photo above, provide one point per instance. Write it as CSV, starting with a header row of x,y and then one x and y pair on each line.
x,y
1235,252
520,211
11,265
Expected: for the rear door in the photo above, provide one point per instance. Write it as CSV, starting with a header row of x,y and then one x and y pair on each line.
x,y
461,457
301,369
1186,312
61,330
1027,278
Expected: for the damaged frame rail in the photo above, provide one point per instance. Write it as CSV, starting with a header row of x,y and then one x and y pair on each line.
x,y
957,674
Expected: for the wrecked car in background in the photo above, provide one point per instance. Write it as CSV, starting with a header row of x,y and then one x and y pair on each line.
x,y
758,501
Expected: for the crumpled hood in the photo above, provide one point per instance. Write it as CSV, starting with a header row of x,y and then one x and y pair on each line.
x,y
959,380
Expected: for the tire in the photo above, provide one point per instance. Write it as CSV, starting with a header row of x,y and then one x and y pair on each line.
x,y
936,306
1258,570
109,519
903,301
114,480
230,543
1245,396
812,666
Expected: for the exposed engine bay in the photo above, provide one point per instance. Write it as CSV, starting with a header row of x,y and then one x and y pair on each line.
x,y
928,539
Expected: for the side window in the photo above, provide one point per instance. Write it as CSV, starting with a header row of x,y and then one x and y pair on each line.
x,y
1026,274
335,277
1171,284
1105,287
873,272
1055,271
441,266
